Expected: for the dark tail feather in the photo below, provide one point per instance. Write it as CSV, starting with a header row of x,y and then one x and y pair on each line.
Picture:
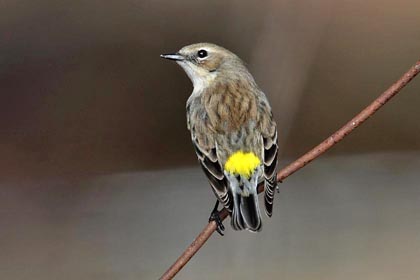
x,y
246,213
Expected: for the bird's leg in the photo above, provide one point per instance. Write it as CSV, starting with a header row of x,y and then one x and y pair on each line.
x,y
214,216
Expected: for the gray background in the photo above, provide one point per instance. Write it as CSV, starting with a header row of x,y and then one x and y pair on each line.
x,y
98,176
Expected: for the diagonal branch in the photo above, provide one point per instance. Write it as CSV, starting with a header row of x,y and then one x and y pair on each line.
x,y
299,163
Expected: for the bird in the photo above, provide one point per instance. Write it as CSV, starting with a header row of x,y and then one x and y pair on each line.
x,y
233,132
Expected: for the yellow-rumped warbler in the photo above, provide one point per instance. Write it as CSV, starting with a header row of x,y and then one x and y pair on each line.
x,y
232,130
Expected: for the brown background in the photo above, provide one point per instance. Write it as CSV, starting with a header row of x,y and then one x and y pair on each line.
x,y
83,88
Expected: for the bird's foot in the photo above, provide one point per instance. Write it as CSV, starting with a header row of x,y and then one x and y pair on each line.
x,y
214,216
277,187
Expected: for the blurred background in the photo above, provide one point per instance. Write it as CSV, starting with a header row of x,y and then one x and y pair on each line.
x,y
98,176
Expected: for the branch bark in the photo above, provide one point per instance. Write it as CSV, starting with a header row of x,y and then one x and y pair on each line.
x,y
299,163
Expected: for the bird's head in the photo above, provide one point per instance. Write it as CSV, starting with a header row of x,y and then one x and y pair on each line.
x,y
203,62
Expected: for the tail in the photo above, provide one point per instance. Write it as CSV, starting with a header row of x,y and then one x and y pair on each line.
x,y
246,211
243,170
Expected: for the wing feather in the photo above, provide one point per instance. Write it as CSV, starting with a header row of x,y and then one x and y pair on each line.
x,y
270,164
214,172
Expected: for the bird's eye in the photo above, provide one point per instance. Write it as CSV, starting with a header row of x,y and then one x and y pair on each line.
x,y
202,53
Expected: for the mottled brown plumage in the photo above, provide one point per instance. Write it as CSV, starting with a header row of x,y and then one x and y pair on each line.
x,y
227,113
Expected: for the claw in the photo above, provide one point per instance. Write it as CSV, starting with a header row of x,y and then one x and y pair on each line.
x,y
277,187
214,216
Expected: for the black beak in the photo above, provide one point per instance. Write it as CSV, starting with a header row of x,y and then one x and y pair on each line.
x,y
173,56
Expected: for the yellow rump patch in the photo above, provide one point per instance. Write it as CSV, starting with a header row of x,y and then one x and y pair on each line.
x,y
241,163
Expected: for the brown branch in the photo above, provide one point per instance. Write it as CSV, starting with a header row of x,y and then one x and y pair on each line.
x,y
299,163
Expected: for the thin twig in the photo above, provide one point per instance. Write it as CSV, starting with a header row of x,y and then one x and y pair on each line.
x,y
299,163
